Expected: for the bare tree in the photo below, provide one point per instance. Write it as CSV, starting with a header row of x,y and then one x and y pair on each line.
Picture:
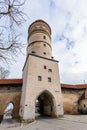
x,y
4,73
11,17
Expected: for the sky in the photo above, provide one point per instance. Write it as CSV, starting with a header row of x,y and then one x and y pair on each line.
x,y
68,22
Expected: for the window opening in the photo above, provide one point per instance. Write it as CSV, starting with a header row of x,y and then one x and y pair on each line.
x,y
44,37
33,52
44,53
39,78
49,79
50,70
45,45
45,66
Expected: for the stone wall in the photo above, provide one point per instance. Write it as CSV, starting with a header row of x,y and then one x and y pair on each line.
x,y
33,87
70,100
10,94
83,106
70,103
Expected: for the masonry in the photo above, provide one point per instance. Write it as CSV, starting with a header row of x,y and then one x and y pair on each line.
x,y
72,96
10,91
41,81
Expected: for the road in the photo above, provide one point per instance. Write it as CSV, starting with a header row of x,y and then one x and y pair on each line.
x,y
68,122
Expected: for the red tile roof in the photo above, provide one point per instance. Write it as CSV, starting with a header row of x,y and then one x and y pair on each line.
x,y
10,81
78,86
20,81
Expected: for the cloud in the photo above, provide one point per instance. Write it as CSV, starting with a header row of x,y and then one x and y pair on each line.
x,y
74,78
68,21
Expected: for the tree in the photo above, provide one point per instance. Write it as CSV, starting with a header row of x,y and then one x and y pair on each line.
x,y
11,17
4,73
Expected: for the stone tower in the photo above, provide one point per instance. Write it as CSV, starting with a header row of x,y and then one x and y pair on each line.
x,y
40,75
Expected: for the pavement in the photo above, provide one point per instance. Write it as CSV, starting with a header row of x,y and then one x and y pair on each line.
x,y
76,118
68,122
9,123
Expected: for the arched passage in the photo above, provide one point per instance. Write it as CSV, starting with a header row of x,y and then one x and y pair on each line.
x,y
45,104
8,111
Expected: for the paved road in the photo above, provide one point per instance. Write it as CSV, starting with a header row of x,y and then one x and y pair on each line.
x,y
66,123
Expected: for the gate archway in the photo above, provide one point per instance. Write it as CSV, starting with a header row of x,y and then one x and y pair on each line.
x,y
45,104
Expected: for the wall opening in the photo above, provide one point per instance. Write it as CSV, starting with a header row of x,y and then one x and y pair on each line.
x,y
8,112
45,105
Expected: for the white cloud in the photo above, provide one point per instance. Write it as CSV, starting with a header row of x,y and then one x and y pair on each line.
x,y
68,21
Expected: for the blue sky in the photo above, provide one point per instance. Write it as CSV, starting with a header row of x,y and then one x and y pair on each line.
x,y
68,21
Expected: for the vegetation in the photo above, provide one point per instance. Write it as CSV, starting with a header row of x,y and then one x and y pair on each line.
x,y
3,73
11,18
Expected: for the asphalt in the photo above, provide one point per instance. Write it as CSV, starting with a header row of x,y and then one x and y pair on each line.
x,y
68,122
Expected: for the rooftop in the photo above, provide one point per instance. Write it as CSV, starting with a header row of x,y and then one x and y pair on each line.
x,y
20,81
70,86
10,81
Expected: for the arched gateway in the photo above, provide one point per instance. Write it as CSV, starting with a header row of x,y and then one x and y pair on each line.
x,y
40,75
46,104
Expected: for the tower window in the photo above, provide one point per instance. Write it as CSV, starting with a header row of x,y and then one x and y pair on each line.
x,y
39,78
45,45
44,53
50,70
45,66
52,57
49,79
33,52
44,37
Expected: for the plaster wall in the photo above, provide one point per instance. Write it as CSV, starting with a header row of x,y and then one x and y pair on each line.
x,y
70,103
33,87
6,98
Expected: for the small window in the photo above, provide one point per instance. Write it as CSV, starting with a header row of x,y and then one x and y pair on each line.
x,y
45,66
52,57
44,53
44,45
49,79
39,78
33,52
50,70
44,37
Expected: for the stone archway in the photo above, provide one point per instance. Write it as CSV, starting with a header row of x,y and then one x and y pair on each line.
x,y
9,111
46,104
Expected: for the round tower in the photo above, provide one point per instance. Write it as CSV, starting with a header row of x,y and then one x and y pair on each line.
x,y
40,75
39,39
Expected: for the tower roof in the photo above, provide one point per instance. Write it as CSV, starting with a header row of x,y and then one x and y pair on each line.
x,y
40,21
